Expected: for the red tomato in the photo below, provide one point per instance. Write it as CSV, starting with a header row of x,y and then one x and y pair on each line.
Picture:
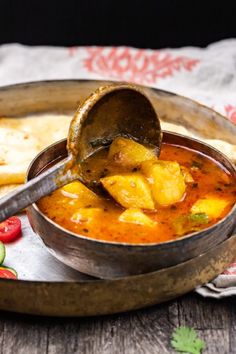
x,y
10,229
7,273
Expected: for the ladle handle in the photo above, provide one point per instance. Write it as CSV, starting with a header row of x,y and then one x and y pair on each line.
x,y
35,189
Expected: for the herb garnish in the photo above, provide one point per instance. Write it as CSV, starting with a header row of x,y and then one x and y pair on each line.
x,y
185,340
201,218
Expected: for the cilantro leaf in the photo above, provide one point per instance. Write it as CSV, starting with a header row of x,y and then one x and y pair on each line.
x,y
185,340
186,223
201,218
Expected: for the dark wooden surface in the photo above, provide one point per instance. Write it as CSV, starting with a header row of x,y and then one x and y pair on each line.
x,y
144,331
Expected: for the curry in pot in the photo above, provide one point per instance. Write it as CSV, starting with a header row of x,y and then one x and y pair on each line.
x,y
144,199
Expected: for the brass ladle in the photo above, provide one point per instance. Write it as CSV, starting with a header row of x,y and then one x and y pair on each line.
x,y
109,112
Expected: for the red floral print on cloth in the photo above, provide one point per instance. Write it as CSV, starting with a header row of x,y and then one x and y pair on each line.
x,y
135,65
231,112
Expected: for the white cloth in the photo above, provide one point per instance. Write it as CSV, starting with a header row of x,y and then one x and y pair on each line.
x,y
205,74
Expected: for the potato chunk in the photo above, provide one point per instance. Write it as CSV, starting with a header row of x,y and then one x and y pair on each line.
x,y
84,195
213,206
87,215
136,216
129,190
128,153
166,180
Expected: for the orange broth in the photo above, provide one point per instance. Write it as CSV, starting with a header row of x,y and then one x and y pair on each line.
x,y
209,177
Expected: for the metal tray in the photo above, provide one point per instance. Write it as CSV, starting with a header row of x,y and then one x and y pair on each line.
x,y
48,287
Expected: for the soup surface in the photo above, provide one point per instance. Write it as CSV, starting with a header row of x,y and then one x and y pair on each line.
x,y
143,199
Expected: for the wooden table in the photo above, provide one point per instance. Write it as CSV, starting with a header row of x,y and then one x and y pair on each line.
x,y
144,331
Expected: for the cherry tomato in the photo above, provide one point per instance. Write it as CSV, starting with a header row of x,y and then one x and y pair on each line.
x,y
8,273
10,229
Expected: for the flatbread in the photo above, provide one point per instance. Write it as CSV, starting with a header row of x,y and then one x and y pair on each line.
x,y
17,148
226,148
22,139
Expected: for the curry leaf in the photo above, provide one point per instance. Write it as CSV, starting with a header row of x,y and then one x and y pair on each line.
x,y
185,340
